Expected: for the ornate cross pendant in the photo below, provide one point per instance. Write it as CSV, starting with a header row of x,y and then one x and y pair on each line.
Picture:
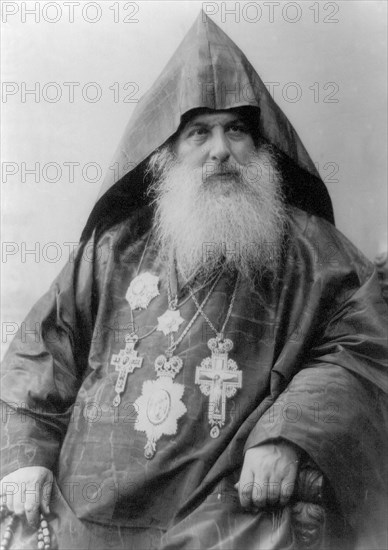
x,y
218,378
126,361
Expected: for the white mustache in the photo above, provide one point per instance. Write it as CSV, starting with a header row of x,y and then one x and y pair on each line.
x,y
221,171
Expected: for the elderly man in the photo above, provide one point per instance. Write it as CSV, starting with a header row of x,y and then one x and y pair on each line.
x,y
222,333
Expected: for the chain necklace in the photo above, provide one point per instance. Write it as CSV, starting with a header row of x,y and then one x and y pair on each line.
x,y
173,345
218,376
171,319
207,281
219,335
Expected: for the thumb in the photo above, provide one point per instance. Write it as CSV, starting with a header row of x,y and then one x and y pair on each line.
x,y
46,496
245,488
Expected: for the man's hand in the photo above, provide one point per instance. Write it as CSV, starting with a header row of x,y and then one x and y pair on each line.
x,y
28,491
268,475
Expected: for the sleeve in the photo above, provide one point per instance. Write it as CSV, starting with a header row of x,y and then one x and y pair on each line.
x,y
335,407
44,367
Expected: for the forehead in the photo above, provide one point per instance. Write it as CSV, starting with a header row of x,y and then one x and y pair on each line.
x,y
215,118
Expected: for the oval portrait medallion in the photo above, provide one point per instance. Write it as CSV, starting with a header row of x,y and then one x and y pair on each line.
x,y
158,407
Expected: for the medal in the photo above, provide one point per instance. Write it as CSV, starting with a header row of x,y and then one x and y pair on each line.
x,y
159,406
125,362
218,378
170,321
142,290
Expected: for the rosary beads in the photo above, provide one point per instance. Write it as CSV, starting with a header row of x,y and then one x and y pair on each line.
x,y
44,538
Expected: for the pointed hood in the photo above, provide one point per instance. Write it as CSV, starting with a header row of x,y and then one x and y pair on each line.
x,y
209,71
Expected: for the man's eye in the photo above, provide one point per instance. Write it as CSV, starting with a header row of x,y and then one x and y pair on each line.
x,y
198,132
237,129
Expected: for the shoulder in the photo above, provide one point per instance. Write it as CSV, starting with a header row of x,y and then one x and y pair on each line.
x,y
120,237
320,243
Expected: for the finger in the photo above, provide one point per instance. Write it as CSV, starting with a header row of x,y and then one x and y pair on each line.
x,y
32,504
245,488
251,508
286,493
272,492
259,493
46,496
19,499
288,487
32,511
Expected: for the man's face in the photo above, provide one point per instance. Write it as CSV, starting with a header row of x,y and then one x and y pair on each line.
x,y
214,187
214,141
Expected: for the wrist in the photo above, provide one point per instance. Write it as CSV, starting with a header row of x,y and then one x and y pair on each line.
x,y
282,445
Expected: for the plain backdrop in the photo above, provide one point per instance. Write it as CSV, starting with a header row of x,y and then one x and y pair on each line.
x,y
325,63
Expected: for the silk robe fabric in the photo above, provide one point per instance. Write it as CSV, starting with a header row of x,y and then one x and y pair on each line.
x,y
312,350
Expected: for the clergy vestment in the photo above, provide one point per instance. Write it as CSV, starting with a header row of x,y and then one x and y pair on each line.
x,y
309,353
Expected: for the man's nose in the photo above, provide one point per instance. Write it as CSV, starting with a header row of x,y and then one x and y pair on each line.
x,y
219,147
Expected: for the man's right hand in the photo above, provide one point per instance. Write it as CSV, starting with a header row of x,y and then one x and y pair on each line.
x,y
28,491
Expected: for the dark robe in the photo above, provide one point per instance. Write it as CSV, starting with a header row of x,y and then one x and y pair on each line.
x,y
311,347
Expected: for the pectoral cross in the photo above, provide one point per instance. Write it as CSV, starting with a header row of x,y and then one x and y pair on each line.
x,y
126,361
219,378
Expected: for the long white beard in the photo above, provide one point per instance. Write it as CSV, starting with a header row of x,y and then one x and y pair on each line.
x,y
236,219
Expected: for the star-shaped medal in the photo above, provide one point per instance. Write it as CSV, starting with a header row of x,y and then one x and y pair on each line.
x,y
160,405
170,321
142,290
